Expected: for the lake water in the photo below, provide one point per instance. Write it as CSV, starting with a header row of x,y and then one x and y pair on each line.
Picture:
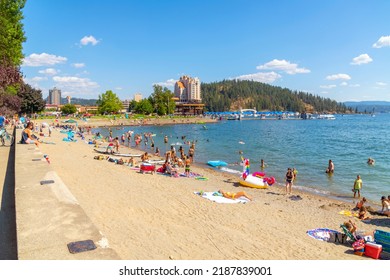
x,y
306,145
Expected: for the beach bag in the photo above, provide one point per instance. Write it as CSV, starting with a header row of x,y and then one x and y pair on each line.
x,y
338,237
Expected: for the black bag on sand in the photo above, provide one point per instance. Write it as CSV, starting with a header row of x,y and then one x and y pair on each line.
x,y
338,238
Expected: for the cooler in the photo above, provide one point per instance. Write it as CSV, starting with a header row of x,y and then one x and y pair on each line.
x,y
372,250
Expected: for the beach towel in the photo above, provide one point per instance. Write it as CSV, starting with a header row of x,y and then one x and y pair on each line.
x,y
323,234
348,213
191,175
220,199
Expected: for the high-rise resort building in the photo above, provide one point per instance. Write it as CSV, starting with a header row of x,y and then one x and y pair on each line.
x,y
138,97
54,96
187,90
187,96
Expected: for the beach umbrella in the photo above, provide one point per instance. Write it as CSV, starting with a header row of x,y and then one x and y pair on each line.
x,y
70,121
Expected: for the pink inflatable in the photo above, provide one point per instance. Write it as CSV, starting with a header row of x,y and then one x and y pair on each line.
x,y
258,174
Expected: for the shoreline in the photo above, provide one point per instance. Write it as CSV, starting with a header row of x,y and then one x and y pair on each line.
x,y
153,217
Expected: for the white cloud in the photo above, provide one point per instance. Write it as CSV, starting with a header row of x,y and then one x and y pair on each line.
x,y
344,84
78,65
328,86
76,85
43,59
338,77
264,77
381,84
361,59
383,41
119,88
49,71
283,65
354,85
89,40
168,83
38,79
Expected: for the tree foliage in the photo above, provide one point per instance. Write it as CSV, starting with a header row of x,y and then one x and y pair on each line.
x,y
161,100
229,95
68,109
11,55
11,32
144,107
109,103
31,99
9,104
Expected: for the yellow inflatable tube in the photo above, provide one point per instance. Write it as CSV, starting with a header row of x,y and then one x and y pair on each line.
x,y
254,182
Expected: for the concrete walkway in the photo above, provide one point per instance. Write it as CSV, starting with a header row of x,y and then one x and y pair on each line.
x,y
48,216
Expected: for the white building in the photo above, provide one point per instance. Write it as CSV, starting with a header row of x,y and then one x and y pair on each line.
x,y
138,97
187,89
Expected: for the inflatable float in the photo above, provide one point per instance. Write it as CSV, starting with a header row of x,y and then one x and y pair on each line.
x,y
216,163
256,179
254,182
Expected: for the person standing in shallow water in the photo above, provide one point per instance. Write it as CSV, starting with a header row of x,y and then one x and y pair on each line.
x,y
289,180
357,186
330,168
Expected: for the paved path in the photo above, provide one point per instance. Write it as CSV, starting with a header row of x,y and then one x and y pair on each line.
x,y
8,247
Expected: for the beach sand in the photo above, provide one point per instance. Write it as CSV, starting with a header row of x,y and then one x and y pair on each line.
x,y
156,217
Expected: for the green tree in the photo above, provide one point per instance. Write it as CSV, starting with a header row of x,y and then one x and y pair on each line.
x,y
31,99
68,109
11,55
144,107
11,31
161,100
109,102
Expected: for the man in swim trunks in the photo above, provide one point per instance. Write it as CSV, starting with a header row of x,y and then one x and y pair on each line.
x,y
234,195
187,167
357,186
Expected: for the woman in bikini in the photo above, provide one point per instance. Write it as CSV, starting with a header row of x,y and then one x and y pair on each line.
x,y
232,195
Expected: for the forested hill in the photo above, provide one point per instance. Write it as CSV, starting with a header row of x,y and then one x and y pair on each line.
x,y
229,95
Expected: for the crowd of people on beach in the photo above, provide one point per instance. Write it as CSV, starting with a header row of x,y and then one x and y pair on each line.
x,y
173,160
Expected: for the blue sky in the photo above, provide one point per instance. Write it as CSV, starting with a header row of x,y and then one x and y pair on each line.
x,y
335,49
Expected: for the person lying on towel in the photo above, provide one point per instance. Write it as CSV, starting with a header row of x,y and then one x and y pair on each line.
x,y
232,195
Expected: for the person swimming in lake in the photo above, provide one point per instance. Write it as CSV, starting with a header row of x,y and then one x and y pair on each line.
x,y
370,161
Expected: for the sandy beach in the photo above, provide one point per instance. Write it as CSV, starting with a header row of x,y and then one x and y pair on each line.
x,y
156,217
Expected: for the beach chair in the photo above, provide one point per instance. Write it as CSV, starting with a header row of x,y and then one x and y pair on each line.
x,y
383,238
352,238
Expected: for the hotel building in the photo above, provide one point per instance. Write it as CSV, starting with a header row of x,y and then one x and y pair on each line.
x,y
54,96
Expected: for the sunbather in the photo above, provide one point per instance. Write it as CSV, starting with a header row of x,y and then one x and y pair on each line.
x,y
232,195
169,169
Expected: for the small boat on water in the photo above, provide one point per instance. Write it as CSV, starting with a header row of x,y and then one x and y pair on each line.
x,y
326,117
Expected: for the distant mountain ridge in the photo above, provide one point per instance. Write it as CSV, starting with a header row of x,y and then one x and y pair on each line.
x,y
369,106
78,101
230,95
